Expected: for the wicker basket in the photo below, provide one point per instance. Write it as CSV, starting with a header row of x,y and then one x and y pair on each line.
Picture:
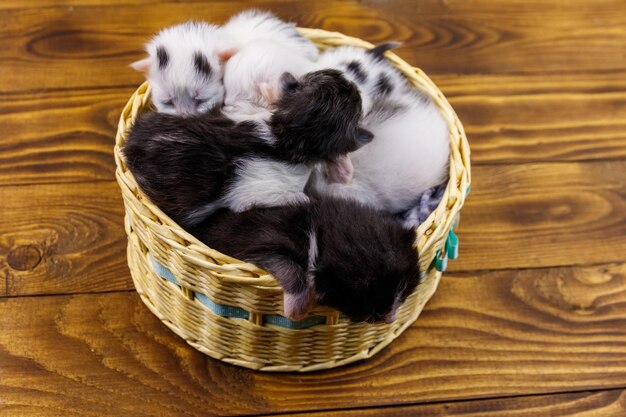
x,y
231,310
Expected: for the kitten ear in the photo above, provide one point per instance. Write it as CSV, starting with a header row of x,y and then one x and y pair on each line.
x,y
340,170
363,137
268,92
143,65
288,82
225,54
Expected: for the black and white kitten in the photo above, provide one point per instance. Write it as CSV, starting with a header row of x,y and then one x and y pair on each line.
x,y
190,167
330,251
411,148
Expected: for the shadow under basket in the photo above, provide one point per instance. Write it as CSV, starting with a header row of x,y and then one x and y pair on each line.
x,y
232,310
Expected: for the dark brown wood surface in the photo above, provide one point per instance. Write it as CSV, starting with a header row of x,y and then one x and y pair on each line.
x,y
489,335
610,403
531,320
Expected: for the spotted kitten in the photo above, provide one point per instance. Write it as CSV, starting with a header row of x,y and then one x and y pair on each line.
x,y
184,67
410,150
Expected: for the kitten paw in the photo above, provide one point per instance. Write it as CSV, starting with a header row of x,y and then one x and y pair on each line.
x,y
298,305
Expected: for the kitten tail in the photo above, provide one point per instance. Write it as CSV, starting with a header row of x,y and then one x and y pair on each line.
x,y
379,50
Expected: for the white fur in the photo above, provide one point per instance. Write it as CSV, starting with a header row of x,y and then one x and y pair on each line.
x,y
267,183
410,150
179,81
252,78
313,252
196,216
251,25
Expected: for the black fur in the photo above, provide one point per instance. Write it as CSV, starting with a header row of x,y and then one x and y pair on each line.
x,y
162,57
201,64
365,260
383,85
186,164
361,265
356,69
324,108
378,51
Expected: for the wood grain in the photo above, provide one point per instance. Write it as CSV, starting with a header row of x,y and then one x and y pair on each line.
x,y
62,239
609,403
78,47
64,136
488,335
536,215
531,118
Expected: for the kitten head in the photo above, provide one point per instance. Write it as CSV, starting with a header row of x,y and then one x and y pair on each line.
x,y
185,68
316,118
367,268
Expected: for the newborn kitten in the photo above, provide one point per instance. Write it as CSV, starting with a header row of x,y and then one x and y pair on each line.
x,y
191,167
410,150
185,68
252,78
331,251
185,62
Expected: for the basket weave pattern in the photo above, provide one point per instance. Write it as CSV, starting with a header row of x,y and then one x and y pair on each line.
x,y
231,310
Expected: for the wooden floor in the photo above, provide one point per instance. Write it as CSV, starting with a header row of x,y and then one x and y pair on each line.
x,y
530,321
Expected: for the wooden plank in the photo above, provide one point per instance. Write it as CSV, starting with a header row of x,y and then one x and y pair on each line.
x,y
62,239
67,238
538,215
540,118
609,403
507,333
456,5
60,136
21,4
68,136
92,46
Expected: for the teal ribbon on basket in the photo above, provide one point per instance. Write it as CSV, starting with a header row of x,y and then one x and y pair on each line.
x,y
452,252
451,246
237,312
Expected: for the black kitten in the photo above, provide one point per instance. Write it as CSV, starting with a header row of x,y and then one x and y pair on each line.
x,y
330,251
192,166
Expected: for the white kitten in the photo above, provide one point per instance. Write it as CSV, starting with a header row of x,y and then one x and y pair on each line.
x,y
185,68
252,78
410,150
